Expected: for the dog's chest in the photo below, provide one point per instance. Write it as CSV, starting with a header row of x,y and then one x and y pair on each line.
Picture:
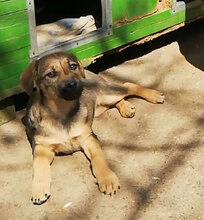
x,y
62,139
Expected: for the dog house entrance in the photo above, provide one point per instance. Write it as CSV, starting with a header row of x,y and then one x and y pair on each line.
x,y
61,25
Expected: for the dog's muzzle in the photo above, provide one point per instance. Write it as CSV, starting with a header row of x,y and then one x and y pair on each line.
x,y
70,89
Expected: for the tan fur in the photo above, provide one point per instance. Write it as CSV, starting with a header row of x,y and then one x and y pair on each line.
x,y
126,109
43,157
65,125
27,78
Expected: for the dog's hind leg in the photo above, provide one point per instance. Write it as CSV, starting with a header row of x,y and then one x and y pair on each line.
x,y
150,95
126,109
114,97
43,158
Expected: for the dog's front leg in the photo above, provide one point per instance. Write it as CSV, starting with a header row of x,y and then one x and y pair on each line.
x,y
43,157
107,180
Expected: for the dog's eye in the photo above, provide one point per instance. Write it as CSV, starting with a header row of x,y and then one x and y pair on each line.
x,y
51,74
73,66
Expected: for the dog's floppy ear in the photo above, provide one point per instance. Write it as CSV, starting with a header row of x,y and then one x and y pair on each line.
x,y
27,77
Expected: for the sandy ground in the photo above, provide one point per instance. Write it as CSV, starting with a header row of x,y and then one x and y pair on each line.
x,y
158,155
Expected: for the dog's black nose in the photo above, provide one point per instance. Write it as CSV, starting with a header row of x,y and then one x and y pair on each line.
x,y
70,89
71,84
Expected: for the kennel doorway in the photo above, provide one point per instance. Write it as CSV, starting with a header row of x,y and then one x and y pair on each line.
x,y
63,25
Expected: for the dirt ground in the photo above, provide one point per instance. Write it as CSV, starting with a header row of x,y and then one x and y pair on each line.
x,y
158,155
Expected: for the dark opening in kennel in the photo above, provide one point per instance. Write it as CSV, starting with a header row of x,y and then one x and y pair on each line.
x,y
53,10
61,22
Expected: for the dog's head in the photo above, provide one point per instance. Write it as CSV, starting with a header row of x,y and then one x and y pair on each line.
x,y
58,74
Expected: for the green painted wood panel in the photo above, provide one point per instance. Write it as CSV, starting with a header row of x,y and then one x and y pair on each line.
x,y
10,82
5,0
129,33
14,44
7,7
10,69
13,56
16,30
138,29
130,9
14,18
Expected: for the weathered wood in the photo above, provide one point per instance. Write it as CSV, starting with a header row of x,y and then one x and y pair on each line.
x,y
14,50
16,30
129,33
13,18
14,56
14,44
5,0
10,82
11,91
129,10
9,70
7,7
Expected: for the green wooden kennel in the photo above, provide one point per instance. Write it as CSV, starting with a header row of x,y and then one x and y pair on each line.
x,y
120,22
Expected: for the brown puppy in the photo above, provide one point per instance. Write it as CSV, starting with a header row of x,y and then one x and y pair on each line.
x,y
60,115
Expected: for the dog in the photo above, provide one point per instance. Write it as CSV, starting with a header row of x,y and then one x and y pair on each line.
x,y
60,113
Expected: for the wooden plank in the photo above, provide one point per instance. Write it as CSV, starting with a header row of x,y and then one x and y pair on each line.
x,y
5,0
10,69
10,82
147,22
15,30
11,91
14,44
130,33
13,18
7,7
13,56
130,8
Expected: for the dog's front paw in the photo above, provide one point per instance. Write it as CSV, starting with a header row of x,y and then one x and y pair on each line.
x,y
108,184
155,96
126,109
40,192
